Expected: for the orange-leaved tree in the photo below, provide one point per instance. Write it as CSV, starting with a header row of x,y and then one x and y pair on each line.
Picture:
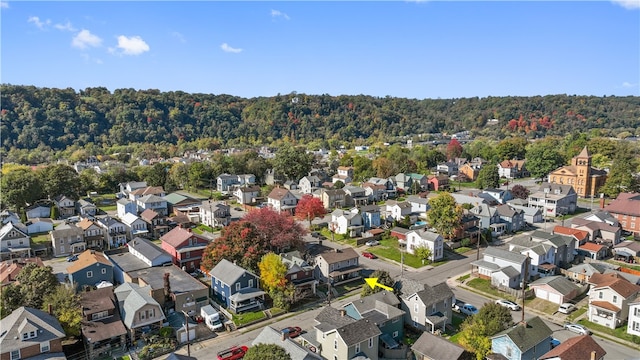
x,y
309,208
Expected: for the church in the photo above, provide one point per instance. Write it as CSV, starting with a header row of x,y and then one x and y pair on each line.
x,y
584,179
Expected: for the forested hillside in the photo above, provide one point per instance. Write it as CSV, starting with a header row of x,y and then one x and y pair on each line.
x,y
33,117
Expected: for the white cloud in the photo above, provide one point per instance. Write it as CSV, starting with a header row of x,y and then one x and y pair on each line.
x,y
226,48
4,5
628,4
628,85
277,13
133,45
178,36
38,23
85,39
64,27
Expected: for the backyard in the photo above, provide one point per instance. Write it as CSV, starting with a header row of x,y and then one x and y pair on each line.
x,y
389,249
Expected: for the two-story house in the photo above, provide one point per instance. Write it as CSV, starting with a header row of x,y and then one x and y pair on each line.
x,y
496,196
448,168
138,310
309,184
345,175
403,181
215,213
342,337
512,169
332,198
577,347
299,273
91,268
236,288
419,205
147,190
554,199
609,299
388,187
598,231
429,309
427,239
420,182
526,341
397,210
157,224
67,239
339,265
370,215
134,226
633,322
29,332
66,206
86,208
282,200
153,202
14,241
541,255
185,247
626,208
93,234
246,194
101,327
487,215
346,222
227,182
128,187
181,204
355,196
114,230
126,205
505,268
438,182
292,347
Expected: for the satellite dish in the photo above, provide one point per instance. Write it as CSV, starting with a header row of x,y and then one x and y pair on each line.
x,y
294,100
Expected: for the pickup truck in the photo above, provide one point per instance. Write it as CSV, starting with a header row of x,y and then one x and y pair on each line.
x,y
233,353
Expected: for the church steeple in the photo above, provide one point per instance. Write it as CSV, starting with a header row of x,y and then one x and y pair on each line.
x,y
582,159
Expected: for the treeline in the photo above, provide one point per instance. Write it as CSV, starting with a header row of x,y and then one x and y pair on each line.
x,y
55,119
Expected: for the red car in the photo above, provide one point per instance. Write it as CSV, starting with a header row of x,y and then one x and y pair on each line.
x,y
233,353
369,255
292,331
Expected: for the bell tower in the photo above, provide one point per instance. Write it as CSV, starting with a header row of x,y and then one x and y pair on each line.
x,y
582,163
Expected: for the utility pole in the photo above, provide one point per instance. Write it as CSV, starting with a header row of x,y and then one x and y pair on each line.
x,y
186,320
524,283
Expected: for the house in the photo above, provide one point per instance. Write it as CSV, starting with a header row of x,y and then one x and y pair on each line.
x,y
397,211
469,198
14,241
66,206
227,182
494,260
29,332
269,335
385,188
419,205
341,337
581,273
577,347
355,196
487,215
247,194
101,327
339,265
370,215
114,230
512,169
593,251
93,233
448,168
9,216
282,200
38,210
152,202
628,251
134,226
236,288
541,254
39,225
300,274
185,247
532,215
86,208
403,181
427,239
181,204
438,182
185,292
420,182
429,309
554,199
346,222
609,299
602,216
215,213
67,239
332,198
513,218
91,268
633,322
585,179
598,231
10,269
309,184
138,310
124,206
147,190
128,187
525,341
400,233
345,175
556,289
150,253
433,347
498,195
157,224
468,171
581,236
626,209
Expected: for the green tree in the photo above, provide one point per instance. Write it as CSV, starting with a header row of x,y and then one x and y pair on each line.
x,y
34,283
61,179
444,214
488,177
19,188
383,278
66,308
476,330
511,148
423,252
272,272
292,162
543,157
620,177
266,352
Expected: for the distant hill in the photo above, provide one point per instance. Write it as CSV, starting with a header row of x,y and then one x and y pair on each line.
x,y
57,118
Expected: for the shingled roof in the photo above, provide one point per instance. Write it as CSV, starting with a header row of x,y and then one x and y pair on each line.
x,y
528,334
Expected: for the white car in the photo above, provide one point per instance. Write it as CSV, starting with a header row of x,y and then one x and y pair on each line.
x,y
566,308
508,304
372,243
578,329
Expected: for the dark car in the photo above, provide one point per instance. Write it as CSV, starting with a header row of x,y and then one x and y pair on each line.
x,y
292,331
369,255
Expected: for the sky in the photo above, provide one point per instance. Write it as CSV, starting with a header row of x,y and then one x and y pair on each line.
x,y
407,49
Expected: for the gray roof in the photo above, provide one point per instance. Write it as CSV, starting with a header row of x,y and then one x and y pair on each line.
x,y
369,208
505,255
427,235
407,287
378,307
510,271
65,230
558,283
527,335
437,348
147,248
150,198
358,331
132,297
26,319
331,318
269,335
433,294
588,269
126,261
486,265
228,272
180,280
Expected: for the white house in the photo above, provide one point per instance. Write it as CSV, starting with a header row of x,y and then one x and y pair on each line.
x,y
609,299
134,225
503,267
397,210
281,200
246,194
346,222
309,184
428,239
633,324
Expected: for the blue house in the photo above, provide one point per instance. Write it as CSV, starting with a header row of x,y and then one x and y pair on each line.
x,y
236,287
370,215
525,341
91,268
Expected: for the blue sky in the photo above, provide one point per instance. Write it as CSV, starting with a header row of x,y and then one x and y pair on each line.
x,y
424,49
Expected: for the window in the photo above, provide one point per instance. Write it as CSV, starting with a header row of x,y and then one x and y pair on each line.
x,y
32,334
237,286
15,354
615,298
44,347
635,326
335,344
357,348
250,282
370,342
600,295
141,315
25,336
89,274
103,270
99,315
415,307
62,249
294,276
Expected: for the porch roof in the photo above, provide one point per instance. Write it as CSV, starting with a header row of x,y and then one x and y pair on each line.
x,y
246,294
605,305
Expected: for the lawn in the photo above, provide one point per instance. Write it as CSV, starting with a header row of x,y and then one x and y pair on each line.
x,y
247,317
485,286
545,306
389,249
462,249
576,314
41,239
620,333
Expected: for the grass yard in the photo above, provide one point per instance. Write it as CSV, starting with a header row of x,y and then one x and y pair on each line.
x,y
620,333
485,286
389,249
576,314
545,306
462,249
41,239
247,317
464,277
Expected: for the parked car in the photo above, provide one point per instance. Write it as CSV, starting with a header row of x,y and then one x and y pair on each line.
x,y
566,308
508,304
369,255
292,331
372,243
73,257
233,353
577,328
554,342
468,309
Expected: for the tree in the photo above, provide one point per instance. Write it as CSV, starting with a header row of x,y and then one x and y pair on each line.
x,y
454,149
66,308
60,179
266,352
309,208
444,215
384,278
520,192
620,177
511,148
20,187
423,252
277,231
292,162
488,177
543,157
239,242
33,284
383,167
272,272
476,330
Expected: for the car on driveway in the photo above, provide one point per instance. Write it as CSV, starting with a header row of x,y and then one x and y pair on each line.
x,y
73,257
468,309
577,328
372,243
508,304
554,342
566,308
292,331
369,255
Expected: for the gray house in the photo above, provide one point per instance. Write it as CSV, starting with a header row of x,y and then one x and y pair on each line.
x,y
138,309
433,347
429,309
525,341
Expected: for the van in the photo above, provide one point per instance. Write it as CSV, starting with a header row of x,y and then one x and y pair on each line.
x,y
211,318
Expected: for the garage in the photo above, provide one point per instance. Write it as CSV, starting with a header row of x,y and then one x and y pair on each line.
x,y
556,289
555,298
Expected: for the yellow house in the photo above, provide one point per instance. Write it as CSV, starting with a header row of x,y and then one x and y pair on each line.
x,y
584,179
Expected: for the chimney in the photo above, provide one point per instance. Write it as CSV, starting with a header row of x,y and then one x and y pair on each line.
x,y
50,309
343,312
601,203
593,355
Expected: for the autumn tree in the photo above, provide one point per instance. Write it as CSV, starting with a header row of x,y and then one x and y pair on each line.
x,y
423,252
543,157
488,177
33,284
520,192
383,167
266,352
277,231
309,207
476,330
444,214
454,149
384,278
239,242
272,272
66,308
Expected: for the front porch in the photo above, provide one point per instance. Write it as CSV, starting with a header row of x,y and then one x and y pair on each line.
x,y
246,299
345,274
604,313
436,321
547,269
